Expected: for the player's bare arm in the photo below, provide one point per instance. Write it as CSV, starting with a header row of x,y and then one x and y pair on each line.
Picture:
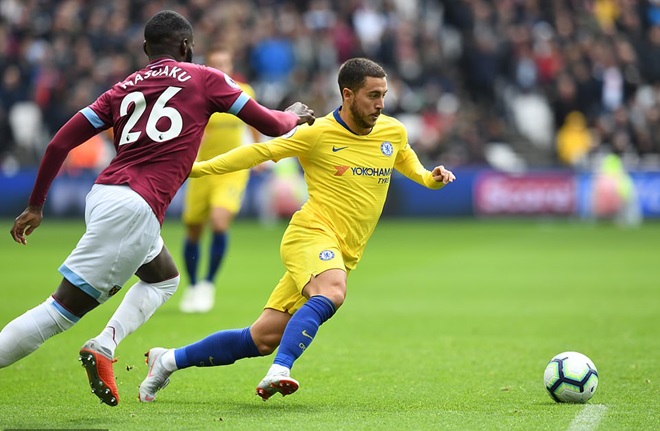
x,y
26,223
305,115
443,175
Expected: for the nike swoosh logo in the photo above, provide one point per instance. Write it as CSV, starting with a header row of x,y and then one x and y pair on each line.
x,y
335,149
151,368
304,332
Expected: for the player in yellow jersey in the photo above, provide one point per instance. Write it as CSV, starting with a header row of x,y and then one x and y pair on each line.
x,y
348,157
213,199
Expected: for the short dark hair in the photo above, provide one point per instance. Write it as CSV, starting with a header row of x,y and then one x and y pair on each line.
x,y
354,72
167,28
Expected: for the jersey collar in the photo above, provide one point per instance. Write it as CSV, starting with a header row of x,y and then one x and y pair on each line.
x,y
341,121
160,61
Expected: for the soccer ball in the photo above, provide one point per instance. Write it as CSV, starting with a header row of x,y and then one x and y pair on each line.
x,y
571,377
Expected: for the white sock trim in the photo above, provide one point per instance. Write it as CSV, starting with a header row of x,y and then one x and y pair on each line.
x,y
169,361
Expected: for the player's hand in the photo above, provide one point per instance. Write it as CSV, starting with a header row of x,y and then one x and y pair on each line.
x,y
305,115
26,223
442,175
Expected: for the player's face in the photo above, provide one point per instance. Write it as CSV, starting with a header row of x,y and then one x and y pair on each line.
x,y
366,104
221,60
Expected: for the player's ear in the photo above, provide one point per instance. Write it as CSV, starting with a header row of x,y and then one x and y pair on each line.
x,y
346,93
186,49
144,48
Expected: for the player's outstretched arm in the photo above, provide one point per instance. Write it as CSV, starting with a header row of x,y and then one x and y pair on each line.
x,y
272,122
442,175
243,157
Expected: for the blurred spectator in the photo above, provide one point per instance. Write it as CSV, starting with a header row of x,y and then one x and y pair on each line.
x,y
272,58
564,99
89,157
574,140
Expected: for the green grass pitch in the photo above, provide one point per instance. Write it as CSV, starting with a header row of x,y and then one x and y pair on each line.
x,y
448,325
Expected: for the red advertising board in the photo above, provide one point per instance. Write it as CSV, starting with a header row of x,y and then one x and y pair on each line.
x,y
526,194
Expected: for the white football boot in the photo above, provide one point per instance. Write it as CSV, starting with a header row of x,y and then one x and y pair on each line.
x,y
279,382
157,377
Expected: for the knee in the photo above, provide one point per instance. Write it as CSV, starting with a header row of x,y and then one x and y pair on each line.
x,y
168,287
335,292
337,297
330,284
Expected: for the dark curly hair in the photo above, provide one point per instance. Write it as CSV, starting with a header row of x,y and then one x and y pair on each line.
x,y
354,72
166,29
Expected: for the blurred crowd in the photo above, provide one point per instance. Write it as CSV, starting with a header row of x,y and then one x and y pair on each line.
x,y
506,83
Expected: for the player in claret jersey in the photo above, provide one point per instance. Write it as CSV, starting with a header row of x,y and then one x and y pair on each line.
x,y
158,115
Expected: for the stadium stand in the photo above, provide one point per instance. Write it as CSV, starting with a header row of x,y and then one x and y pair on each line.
x,y
479,82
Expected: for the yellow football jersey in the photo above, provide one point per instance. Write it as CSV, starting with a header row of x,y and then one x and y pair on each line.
x,y
223,132
347,175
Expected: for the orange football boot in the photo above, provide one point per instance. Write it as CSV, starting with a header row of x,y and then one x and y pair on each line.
x,y
98,361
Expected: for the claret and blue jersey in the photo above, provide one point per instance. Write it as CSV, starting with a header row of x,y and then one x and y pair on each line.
x,y
159,114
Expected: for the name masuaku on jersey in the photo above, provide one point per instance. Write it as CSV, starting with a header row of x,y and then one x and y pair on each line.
x,y
176,72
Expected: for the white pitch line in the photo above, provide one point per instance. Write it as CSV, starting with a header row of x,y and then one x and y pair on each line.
x,y
589,418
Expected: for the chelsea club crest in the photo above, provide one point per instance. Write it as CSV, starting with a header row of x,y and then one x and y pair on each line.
x,y
386,148
326,255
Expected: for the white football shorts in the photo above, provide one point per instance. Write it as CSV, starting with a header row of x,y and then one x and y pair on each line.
x,y
122,234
